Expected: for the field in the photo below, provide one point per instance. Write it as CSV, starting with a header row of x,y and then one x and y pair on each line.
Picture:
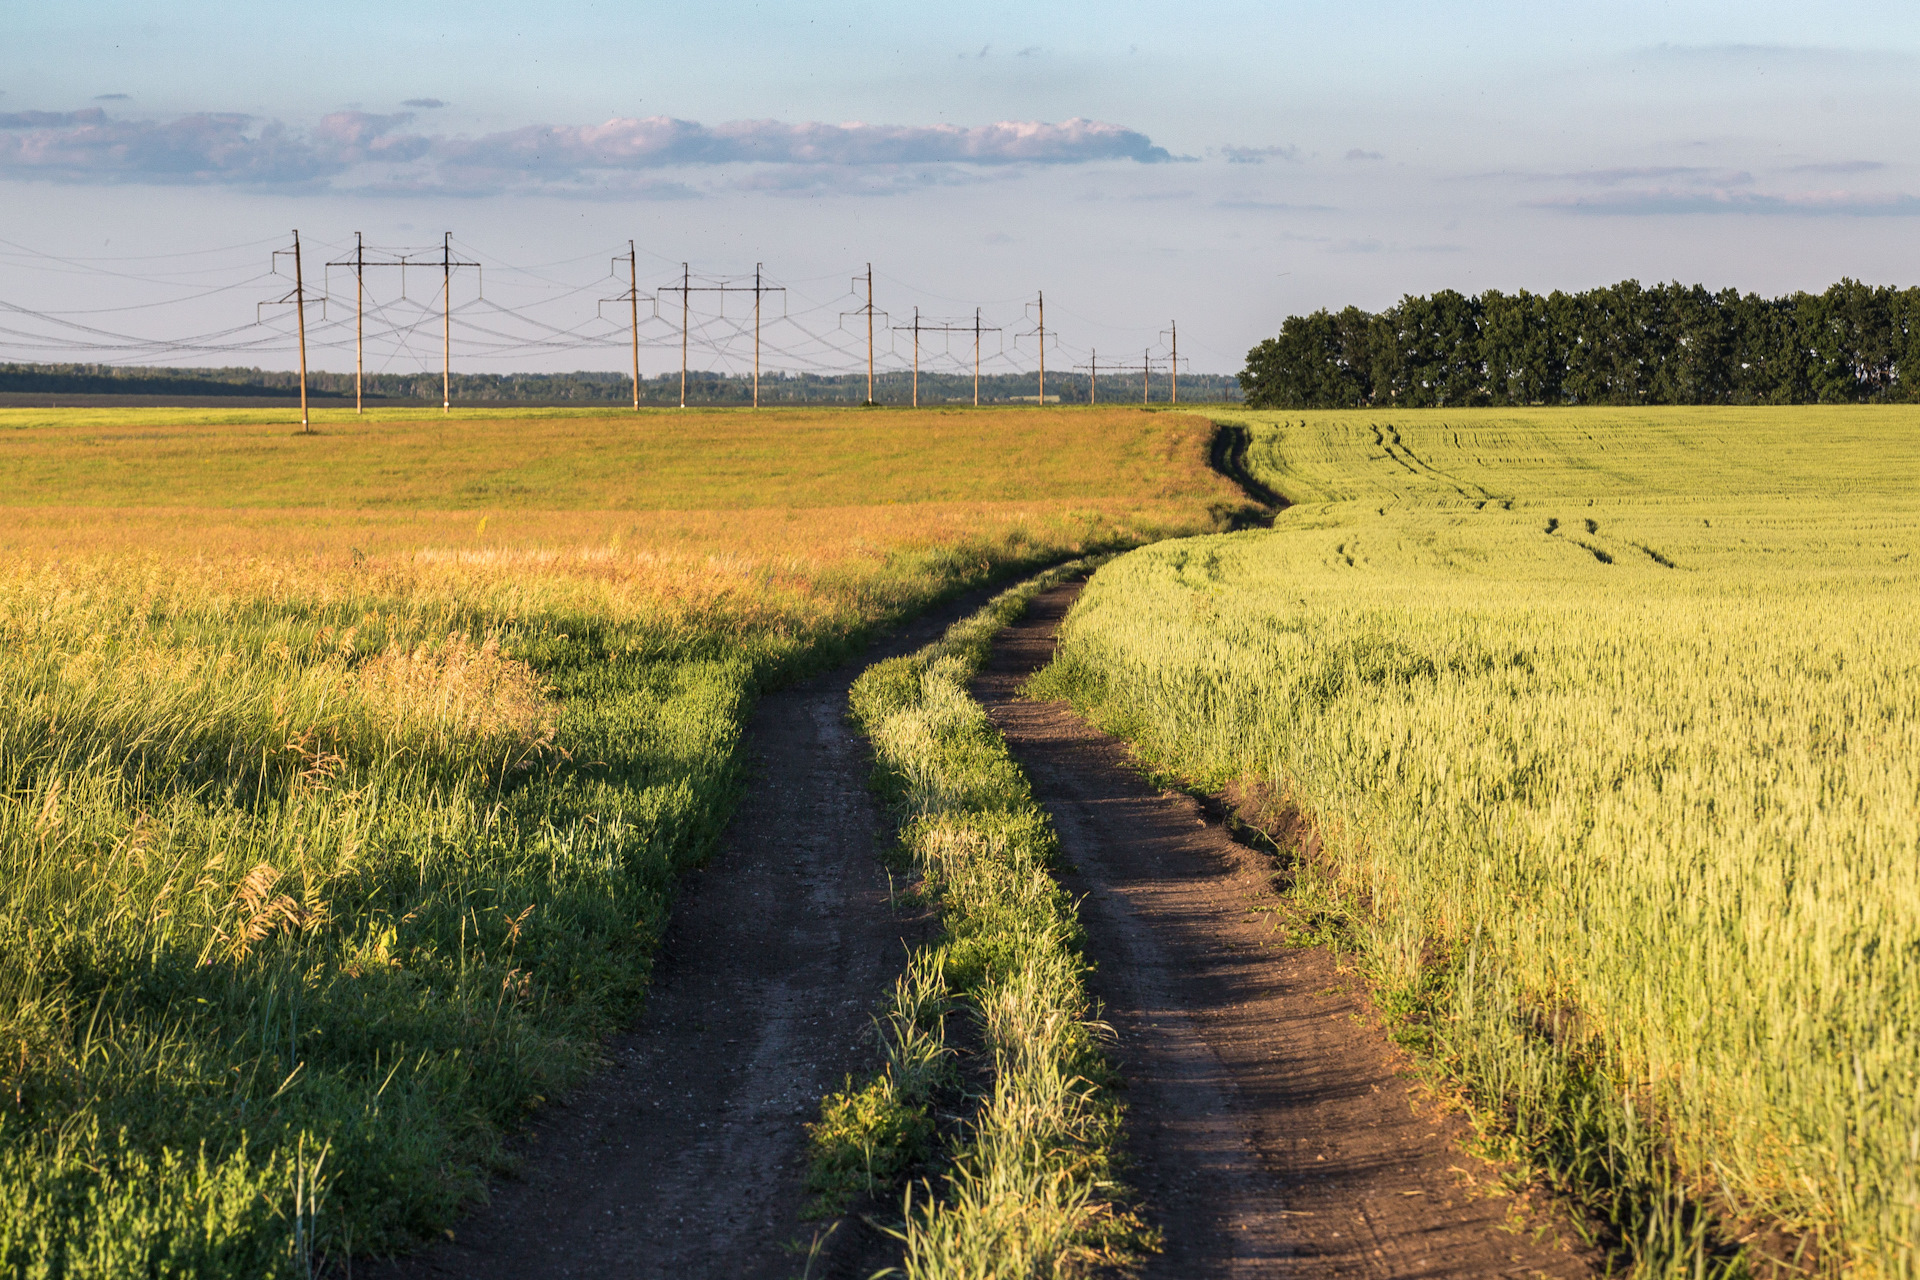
x,y
1594,735
344,778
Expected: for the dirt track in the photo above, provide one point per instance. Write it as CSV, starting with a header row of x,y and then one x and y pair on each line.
x,y
1271,1129
685,1157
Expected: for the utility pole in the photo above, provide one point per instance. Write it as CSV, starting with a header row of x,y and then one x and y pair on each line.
x,y
300,310
633,301
1093,375
918,328
868,312
403,259
632,298
976,357
298,298
1042,331
1144,369
1173,365
447,264
687,288
359,323
446,322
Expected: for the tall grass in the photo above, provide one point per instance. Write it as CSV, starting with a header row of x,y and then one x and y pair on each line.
x,y
334,841
1028,1190
1607,723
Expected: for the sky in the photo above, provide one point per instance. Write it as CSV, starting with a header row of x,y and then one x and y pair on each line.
x,y
1222,165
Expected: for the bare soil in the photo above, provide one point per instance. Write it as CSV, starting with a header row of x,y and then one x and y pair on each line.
x,y
686,1156
1272,1127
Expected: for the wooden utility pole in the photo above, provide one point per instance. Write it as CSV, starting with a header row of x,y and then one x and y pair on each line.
x,y
446,323
687,288
976,357
403,259
919,327
300,310
359,323
1043,349
633,302
297,298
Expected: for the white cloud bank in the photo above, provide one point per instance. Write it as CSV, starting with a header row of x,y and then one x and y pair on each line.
x,y
358,151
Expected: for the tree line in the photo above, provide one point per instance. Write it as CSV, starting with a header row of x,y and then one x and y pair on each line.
x,y
1621,344
594,386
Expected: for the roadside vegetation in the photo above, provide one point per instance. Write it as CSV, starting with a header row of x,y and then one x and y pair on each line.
x,y
344,779
1028,1184
1593,736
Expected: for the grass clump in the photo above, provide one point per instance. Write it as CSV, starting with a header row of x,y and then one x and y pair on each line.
x,y
1029,1189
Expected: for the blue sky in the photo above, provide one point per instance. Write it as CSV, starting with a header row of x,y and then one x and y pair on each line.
x,y
1222,164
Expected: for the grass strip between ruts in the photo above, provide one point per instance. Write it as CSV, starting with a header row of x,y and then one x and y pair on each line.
x,y
1028,1187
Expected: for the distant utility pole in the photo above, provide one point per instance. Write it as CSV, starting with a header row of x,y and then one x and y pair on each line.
x,y
1042,331
869,313
447,264
918,328
1144,369
298,298
687,288
632,298
403,259
1173,363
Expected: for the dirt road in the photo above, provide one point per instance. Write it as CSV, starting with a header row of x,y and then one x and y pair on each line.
x,y
685,1158
1271,1129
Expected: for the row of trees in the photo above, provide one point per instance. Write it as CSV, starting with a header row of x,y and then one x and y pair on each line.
x,y
1622,344
594,387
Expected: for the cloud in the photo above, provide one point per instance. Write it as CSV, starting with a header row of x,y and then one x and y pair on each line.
x,y
1250,205
1259,155
112,97
1836,166
1799,204
1358,154
423,104
360,151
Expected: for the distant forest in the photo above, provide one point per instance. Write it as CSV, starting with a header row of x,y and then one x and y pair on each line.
x,y
588,387
1623,344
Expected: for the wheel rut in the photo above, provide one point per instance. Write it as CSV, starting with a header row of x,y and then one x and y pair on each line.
x,y
686,1156
1271,1127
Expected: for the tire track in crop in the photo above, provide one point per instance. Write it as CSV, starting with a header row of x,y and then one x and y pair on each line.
x,y
1271,1129
685,1156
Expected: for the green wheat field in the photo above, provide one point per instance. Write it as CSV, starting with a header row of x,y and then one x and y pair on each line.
x,y
1596,735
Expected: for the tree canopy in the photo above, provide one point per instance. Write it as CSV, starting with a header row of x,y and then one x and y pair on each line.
x,y
1621,344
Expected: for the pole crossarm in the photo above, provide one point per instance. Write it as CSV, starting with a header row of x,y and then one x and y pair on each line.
x,y
687,288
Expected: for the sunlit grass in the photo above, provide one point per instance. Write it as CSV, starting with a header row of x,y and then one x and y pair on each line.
x,y
340,810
